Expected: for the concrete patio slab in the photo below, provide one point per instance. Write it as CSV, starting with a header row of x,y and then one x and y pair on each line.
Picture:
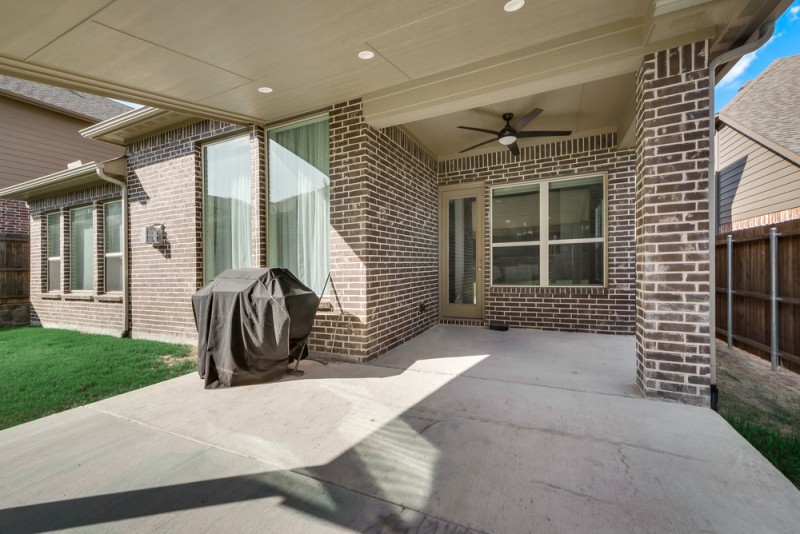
x,y
459,430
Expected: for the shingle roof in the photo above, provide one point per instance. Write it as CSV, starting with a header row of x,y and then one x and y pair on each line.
x,y
769,104
74,102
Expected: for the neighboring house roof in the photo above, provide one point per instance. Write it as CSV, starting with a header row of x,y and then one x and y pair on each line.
x,y
767,109
76,103
80,176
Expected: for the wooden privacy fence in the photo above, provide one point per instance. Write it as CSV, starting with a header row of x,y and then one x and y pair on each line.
x,y
14,268
758,297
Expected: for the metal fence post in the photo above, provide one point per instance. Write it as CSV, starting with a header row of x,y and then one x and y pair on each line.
x,y
773,296
730,291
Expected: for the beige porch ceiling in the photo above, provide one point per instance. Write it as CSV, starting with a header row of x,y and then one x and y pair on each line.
x,y
207,58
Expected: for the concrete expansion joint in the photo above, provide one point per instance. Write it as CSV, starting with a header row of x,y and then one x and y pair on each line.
x,y
502,381
515,426
177,435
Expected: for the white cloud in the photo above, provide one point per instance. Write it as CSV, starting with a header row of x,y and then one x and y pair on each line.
x,y
733,77
794,13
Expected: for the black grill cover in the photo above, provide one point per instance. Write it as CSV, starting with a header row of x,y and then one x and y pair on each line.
x,y
251,323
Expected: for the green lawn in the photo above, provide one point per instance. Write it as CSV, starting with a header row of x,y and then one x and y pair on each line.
x,y
763,406
45,371
782,449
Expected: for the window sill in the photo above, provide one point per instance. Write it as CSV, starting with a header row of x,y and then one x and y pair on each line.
x,y
109,298
51,296
79,297
552,290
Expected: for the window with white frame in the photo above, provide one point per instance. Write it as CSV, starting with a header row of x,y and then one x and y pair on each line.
x,y
299,200
227,205
550,233
53,251
112,245
81,247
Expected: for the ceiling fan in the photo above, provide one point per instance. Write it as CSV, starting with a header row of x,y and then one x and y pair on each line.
x,y
509,134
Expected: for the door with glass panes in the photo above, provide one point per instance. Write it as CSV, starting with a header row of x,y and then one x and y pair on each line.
x,y
461,251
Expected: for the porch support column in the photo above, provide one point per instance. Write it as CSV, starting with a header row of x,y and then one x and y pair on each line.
x,y
672,262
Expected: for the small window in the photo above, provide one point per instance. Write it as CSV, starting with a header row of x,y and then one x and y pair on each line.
x,y
53,251
112,238
81,244
551,233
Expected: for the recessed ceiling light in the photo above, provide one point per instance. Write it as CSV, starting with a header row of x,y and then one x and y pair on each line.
x,y
265,90
514,5
366,54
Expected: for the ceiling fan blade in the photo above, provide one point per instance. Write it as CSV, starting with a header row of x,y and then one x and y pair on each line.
x,y
479,144
547,133
522,122
479,130
514,148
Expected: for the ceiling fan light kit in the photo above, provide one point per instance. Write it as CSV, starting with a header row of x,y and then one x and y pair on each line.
x,y
509,134
507,139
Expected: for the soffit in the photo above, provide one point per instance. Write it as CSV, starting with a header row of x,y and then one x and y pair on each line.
x,y
206,58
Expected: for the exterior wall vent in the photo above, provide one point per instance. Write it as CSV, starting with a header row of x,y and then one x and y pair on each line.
x,y
153,234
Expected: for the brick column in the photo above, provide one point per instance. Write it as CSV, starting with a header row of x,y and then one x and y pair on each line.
x,y
672,289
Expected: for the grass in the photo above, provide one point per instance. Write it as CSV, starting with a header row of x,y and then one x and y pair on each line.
x,y
763,407
47,371
781,449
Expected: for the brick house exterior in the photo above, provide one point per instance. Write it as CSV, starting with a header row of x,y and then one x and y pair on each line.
x,y
384,234
39,134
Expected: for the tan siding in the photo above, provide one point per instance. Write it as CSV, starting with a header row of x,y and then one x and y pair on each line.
x,y
754,181
35,142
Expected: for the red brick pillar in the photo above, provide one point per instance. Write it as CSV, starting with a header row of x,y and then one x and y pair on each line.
x,y
672,285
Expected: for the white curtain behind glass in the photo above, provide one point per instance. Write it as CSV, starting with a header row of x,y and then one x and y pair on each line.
x,y
227,206
299,201
81,249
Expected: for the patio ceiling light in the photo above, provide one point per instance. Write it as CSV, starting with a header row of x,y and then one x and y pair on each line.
x,y
265,90
366,54
511,6
507,139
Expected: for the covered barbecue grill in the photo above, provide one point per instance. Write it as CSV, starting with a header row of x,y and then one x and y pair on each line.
x,y
251,324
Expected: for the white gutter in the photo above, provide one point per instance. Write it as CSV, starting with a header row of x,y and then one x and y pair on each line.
x,y
765,33
50,179
121,121
125,289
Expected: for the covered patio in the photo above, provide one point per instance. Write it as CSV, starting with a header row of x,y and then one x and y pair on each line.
x,y
461,429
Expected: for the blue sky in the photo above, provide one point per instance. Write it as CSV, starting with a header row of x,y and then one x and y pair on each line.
x,y
784,42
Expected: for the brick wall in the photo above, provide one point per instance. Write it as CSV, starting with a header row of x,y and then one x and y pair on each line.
x,y
92,311
402,240
342,330
590,309
762,220
14,218
383,239
165,185
672,286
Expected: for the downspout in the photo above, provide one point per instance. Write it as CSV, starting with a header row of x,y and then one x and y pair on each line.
x,y
123,186
765,33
